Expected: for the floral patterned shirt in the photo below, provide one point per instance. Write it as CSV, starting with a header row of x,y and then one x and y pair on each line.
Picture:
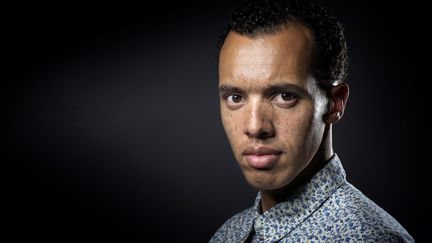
x,y
326,209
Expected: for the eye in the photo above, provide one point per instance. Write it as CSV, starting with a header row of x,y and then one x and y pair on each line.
x,y
285,99
234,100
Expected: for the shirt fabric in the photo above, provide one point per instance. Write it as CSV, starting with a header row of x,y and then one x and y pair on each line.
x,y
326,208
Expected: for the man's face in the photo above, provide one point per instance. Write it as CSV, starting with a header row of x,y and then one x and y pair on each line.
x,y
271,107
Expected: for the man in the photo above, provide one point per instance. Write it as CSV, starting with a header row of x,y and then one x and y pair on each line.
x,y
282,68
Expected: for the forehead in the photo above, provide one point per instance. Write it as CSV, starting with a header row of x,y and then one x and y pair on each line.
x,y
268,57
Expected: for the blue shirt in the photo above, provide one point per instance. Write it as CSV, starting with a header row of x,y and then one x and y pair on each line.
x,y
326,208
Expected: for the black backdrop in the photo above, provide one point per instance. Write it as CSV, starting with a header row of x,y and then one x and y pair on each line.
x,y
114,131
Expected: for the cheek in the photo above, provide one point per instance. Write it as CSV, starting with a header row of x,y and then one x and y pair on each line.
x,y
231,124
311,132
297,126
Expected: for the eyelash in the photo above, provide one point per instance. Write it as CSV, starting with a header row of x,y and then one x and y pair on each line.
x,y
294,96
226,96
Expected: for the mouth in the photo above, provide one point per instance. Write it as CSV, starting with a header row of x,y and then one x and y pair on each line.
x,y
261,157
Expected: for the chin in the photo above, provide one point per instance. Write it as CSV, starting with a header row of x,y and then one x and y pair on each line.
x,y
264,182
265,186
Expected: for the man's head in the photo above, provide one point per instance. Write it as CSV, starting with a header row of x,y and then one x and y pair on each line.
x,y
281,72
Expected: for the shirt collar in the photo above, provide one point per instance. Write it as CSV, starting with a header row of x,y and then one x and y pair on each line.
x,y
284,217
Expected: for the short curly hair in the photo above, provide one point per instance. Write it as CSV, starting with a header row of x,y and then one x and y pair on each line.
x,y
329,63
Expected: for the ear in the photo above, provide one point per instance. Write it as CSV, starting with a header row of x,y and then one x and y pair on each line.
x,y
338,97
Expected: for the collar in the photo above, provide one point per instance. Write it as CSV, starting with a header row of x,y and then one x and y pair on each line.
x,y
284,217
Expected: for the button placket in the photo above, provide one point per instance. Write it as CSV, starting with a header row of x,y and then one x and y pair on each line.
x,y
258,229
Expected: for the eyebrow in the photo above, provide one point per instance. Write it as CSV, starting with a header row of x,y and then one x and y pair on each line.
x,y
269,90
224,88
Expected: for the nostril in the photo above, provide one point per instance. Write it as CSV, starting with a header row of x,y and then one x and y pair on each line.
x,y
263,135
261,132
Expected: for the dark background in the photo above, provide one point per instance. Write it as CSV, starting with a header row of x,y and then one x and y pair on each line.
x,y
114,131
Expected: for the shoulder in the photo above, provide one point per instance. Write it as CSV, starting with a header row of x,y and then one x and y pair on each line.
x,y
235,227
360,219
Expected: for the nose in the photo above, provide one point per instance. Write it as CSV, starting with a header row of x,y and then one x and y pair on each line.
x,y
259,120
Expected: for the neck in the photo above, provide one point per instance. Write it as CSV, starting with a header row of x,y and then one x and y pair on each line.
x,y
269,198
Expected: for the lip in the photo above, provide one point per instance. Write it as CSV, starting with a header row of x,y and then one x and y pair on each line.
x,y
261,157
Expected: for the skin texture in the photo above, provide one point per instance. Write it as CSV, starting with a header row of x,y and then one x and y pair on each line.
x,y
269,98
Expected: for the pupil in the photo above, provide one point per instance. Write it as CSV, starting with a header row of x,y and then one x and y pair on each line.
x,y
286,96
236,98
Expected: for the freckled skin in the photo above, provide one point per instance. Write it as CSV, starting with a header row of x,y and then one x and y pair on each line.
x,y
300,131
